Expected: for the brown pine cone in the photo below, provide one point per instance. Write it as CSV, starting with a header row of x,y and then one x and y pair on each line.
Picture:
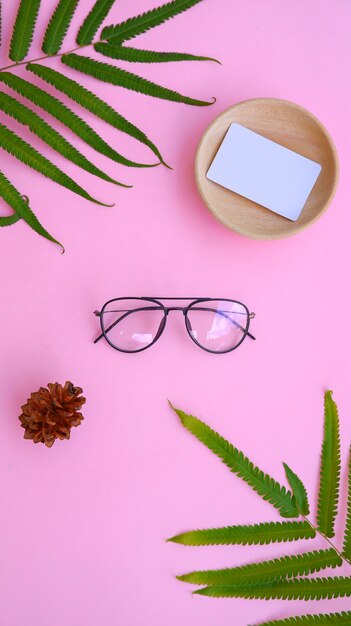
x,y
51,412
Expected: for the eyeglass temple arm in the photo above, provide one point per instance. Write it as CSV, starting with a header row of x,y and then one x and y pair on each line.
x,y
153,308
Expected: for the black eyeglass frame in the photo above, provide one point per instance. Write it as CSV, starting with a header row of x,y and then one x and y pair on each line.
x,y
166,310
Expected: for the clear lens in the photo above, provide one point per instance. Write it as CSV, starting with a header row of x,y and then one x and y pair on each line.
x,y
132,324
217,325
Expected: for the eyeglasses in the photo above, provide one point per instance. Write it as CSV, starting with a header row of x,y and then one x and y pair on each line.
x,y
135,324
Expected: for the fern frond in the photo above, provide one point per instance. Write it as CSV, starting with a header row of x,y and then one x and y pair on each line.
x,y
285,567
23,29
296,589
330,468
49,135
240,465
268,532
21,150
92,103
116,76
141,23
298,489
343,619
135,55
93,21
14,199
63,114
58,26
346,550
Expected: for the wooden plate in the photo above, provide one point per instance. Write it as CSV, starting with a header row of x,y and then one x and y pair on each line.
x,y
289,125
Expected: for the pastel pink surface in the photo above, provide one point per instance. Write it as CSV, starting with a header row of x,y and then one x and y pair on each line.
x,y
83,525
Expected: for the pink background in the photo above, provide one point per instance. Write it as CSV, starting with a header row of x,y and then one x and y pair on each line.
x,y
83,524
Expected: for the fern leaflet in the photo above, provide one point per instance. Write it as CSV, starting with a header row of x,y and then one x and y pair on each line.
x,y
58,26
22,151
267,532
141,23
240,465
136,55
298,489
95,105
116,76
8,220
14,199
343,619
285,567
346,550
49,135
296,589
23,29
330,468
93,21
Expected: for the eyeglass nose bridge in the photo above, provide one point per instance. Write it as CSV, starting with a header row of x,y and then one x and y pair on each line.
x,y
175,308
160,328
167,310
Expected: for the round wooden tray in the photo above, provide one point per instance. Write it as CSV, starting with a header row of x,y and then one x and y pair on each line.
x,y
289,125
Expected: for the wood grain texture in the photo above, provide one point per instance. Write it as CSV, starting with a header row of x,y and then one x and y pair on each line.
x,y
289,125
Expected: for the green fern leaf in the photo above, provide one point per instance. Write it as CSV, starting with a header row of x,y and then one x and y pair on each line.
x,y
93,104
115,76
268,532
14,199
240,465
8,220
63,114
49,135
23,29
298,490
141,23
343,619
58,26
285,567
346,550
330,468
296,589
135,55
21,150
93,21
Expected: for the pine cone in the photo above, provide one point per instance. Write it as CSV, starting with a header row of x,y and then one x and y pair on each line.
x,y
50,413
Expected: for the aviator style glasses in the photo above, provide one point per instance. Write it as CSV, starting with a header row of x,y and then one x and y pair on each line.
x,y
217,325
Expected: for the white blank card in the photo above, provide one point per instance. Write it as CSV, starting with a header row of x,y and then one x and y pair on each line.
x,y
264,171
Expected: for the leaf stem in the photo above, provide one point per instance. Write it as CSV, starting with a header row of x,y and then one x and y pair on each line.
x,y
319,532
49,56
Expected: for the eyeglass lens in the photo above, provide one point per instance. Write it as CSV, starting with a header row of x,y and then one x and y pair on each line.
x,y
132,324
217,325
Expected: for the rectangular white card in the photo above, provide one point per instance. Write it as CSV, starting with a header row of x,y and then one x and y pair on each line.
x,y
264,171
